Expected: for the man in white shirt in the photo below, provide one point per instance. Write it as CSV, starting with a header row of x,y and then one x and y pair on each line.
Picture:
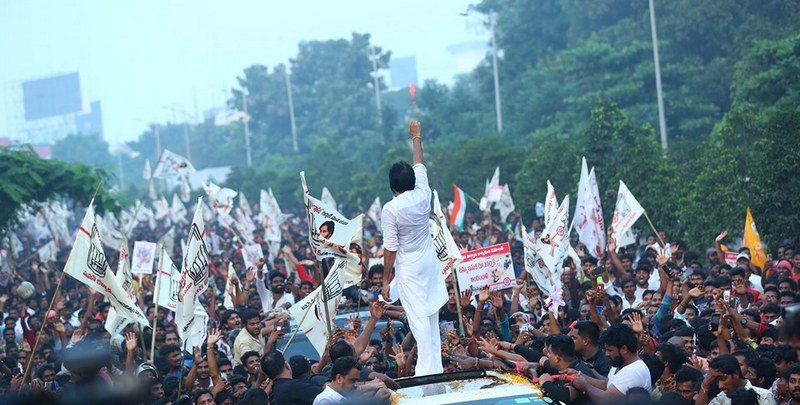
x,y
276,296
725,371
345,374
408,248
627,370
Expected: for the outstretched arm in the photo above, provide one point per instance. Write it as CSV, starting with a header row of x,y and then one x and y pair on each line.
x,y
416,140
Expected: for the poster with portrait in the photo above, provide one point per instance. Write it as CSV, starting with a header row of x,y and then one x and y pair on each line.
x,y
489,266
144,255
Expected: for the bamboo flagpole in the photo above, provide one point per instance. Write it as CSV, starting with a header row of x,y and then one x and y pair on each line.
x,y
155,302
647,217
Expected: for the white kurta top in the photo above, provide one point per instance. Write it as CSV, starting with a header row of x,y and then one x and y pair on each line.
x,y
404,221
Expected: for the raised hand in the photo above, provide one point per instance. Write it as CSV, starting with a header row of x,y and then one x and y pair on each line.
x,y
213,337
414,129
636,323
695,292
483,294
466,297
350,336
722,235
399,356
497,299
377,309
662,259
130,340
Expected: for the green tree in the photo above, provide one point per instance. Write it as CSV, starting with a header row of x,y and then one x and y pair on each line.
x,y
90,149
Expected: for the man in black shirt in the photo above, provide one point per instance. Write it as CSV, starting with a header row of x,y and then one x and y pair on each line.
x,y
560,351
586,335
286,390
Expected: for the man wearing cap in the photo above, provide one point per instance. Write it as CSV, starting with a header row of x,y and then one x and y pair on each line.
x,y
753,280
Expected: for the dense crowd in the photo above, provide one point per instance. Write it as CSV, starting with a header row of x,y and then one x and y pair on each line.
x,y
638,324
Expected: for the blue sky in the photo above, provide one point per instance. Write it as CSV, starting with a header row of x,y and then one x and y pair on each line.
x,y
139,58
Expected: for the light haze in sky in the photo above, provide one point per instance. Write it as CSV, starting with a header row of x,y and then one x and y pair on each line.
x,y
143,59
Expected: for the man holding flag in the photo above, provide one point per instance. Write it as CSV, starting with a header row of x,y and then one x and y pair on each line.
x,y
408,248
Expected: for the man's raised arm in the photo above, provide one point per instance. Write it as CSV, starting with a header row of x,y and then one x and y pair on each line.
x,y
416,140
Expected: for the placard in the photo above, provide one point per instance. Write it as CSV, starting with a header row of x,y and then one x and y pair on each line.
x,y
144,255
490,266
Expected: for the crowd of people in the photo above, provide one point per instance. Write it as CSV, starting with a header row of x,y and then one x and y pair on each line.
x,y
641,323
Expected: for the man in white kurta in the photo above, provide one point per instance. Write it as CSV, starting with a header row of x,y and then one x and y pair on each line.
x,y
408,247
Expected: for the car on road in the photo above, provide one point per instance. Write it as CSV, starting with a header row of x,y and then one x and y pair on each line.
x,y
478,387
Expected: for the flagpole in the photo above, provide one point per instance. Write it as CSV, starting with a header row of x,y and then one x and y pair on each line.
x,y
41,328
647,217
325,299
458,301
298,327
155,302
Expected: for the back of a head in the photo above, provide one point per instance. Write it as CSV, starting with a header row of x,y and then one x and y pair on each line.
x,y
673,356
300,366
561,345
589,330
342,366
726,364
401,177
254,396
341,349
689,374
272,364
744,396
620,335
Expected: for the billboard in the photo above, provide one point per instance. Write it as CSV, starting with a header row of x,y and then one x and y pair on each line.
x,y
52,96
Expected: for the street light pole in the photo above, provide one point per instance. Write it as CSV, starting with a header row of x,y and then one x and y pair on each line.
x,y
291,110
662,122
376,83
496,77
186,141
247,131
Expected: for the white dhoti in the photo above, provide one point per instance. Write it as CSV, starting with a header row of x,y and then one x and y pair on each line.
x,y
422,293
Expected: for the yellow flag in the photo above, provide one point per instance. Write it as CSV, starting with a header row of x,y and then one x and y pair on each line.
x,y
753,241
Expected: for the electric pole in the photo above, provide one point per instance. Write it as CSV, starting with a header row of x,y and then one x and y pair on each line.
x,y
376,83
291,110
496,77
247,131
662,122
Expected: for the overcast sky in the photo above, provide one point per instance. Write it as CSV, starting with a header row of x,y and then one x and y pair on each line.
x,y
139,58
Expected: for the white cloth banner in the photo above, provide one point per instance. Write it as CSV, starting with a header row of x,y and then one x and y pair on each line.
x,y
327,198
177,210
244,204
550,204
505,204
172,164
270,216
447,253
329,233
251,254
353,271
314,323
626,212
87,263
221,199
168,279
144,255
588,219
115,322
374,212
534,264
47,252
553,244
194,280
227,302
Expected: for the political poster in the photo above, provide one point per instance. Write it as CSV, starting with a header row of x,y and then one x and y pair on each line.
x,y
144,255
489,266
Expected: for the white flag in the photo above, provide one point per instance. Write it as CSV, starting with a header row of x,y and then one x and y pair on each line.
x,y
626,212
327,198
374,212
186,190
177,210
194,280
551,204
447,252
229,287
270,216
221,199
554,241
109,236
244,204
329,233
505,204
172,164
146,172
162,209
87,263
151,192
168,279
47,252
251,254
534,264
588,219
313,325
115,322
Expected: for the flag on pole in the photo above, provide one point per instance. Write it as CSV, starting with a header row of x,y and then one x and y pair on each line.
x,y
374,212
172,164
329,232
588,219
87,263
553,244
599,231
459,211
753,241
146,172
169,277
115,322
313,325
534,264
626,212
505,204
244,204
186,190
270,216
177,210
194,280
221,199
229,287
447,252
327,198
550,204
